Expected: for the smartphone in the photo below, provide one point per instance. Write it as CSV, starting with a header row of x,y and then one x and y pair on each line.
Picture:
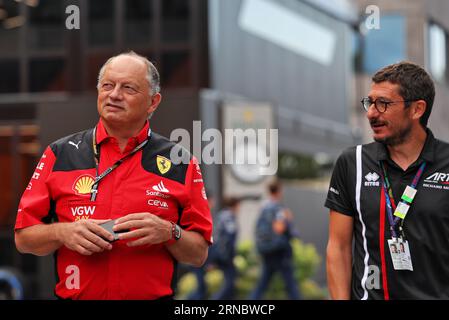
x,y
108,227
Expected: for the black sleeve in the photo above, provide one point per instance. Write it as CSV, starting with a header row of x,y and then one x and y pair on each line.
x,y
342,189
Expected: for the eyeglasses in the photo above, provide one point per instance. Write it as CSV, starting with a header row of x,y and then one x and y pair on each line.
x,y
380,104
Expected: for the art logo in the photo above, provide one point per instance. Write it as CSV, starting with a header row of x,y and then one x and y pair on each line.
x,y
438,177
83,184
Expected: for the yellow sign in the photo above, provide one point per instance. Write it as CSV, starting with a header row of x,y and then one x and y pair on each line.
x,y
83,184
163,164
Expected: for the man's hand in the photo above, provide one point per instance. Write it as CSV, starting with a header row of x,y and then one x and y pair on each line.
x,y
84,236
145,227
339,255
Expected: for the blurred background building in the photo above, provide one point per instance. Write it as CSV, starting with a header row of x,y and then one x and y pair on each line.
x,y
417,31
302,64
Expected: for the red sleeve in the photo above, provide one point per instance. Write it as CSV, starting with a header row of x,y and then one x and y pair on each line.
x,y
35,202
196,215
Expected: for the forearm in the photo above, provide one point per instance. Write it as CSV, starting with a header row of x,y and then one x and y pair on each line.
x,y
190,249
339,271
39,239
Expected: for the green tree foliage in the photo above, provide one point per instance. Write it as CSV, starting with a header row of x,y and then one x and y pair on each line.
x,y
296,166
248,264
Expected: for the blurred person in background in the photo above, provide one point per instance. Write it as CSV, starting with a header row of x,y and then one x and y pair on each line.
x,y
393,190
221,253
223,250
119,171
274,230
200,293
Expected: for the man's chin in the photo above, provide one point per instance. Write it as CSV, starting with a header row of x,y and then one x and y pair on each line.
x,y
386,140
393,139
380,139
112,119
389,141
112,115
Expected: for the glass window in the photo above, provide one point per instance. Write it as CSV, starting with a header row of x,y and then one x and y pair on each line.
x,y
385,45
356,51
94,63
9,76
9,27
175,20
438,52
176,69
101,22
138,22
46,24
47,75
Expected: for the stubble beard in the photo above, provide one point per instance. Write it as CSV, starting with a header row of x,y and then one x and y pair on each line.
x,y
398,138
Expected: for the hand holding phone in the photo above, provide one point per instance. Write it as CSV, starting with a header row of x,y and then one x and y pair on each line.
x,y
108,227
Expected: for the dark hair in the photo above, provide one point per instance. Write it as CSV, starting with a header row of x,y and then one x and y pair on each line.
x,y
274,187
414,84
230,202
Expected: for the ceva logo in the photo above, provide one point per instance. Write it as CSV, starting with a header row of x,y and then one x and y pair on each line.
x,y
158,203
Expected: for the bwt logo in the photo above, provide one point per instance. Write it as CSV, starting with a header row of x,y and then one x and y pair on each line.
x,y
83,210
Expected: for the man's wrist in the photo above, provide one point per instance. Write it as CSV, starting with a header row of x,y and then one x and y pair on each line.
x,y
175,233
55,232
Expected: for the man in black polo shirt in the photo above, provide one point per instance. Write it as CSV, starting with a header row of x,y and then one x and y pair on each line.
x,y
391,193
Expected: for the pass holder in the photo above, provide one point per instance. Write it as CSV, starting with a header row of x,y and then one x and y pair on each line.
x,y
409,194
406,200
401,210
406,256
400,254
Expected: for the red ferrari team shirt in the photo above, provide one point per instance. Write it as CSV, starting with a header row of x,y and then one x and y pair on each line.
x,y
147,181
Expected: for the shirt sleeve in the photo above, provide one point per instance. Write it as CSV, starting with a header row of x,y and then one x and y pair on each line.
x,y
338,196
35,203
196,214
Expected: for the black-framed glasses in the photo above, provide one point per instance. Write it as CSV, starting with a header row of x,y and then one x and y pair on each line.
x,y
380,104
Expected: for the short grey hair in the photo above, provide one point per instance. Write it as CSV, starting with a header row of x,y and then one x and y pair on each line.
x,y
153,77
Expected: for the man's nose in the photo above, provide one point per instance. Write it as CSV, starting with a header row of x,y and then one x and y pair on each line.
x,y
372,112
116,93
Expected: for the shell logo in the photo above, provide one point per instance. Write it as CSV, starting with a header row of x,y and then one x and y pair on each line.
x,y
83,184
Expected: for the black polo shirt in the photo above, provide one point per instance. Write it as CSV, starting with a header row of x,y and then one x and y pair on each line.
x,y
355,190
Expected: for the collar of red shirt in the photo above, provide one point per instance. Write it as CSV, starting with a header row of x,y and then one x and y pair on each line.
x,y
141,136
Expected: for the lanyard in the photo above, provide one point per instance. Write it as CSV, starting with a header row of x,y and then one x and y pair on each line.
x,y
98,178
400,211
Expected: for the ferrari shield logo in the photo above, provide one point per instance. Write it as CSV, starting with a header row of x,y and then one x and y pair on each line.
x,y
163,164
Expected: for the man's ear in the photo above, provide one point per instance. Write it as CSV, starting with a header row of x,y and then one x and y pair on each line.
x,y
418,109
154,103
